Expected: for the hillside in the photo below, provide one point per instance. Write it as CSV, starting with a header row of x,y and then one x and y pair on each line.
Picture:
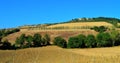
x,y
111,20
53,54
80,25
53,33
64,30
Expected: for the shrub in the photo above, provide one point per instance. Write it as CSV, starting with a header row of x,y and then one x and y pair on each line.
x,y
73,42
20,41
117,41
114,36
99,29
59,41
6,45
0,38
81,40
5,32
90,41
37,41
29,40
104,40
77,42
46,39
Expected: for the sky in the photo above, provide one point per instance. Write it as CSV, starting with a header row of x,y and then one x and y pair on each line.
x,y
15,13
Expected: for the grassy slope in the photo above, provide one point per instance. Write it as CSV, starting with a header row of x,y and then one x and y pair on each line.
x,y
81,24
61,32
65,34
53,54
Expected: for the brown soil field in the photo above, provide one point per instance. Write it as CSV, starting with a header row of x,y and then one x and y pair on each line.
x,y
54,54
53,33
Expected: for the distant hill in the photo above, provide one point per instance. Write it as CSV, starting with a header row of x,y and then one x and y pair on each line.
x,y
113,21
106,19
79,25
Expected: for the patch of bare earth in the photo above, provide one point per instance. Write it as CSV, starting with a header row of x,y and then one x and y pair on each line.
x,y
53,33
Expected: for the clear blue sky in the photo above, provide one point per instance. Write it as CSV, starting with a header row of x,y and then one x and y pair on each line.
x,y
21,12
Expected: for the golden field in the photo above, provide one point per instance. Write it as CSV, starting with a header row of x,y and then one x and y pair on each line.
x,y
54,54
81,24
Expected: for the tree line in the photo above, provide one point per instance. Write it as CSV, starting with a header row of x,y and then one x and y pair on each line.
x,y
102,39
5,32
26,42
99,29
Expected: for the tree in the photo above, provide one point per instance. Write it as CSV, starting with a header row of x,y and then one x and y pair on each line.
x,y
77,41
99,29
47,39
104,40
117,40
6,45
114,35
59,41
73,42
20,40
81,40
90,41
37,41
29,40
0,38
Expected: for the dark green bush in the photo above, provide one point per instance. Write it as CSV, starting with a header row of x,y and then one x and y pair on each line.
x,y
6,45
20,41
73,42
104,40
81,40
29,40
46,39
59,41
37,40
90,41
77,42
117,41
100,29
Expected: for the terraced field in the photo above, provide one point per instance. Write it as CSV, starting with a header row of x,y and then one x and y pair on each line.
x,y
53,33
80,25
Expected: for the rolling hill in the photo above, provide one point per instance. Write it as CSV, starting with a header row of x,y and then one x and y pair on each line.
x,y
54,54
80,25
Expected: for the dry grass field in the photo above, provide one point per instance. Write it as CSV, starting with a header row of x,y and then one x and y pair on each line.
x,y
53,33
54,54
81,24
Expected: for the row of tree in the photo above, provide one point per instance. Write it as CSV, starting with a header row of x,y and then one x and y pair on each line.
x,y
81,41
26,41
90,41
5,32
32,41
99,29
113,21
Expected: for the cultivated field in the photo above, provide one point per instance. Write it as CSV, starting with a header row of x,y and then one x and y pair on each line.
x,y
81,25
53,33
54,54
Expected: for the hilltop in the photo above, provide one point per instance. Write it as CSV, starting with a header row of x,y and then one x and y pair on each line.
x,y
65,29
113,21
